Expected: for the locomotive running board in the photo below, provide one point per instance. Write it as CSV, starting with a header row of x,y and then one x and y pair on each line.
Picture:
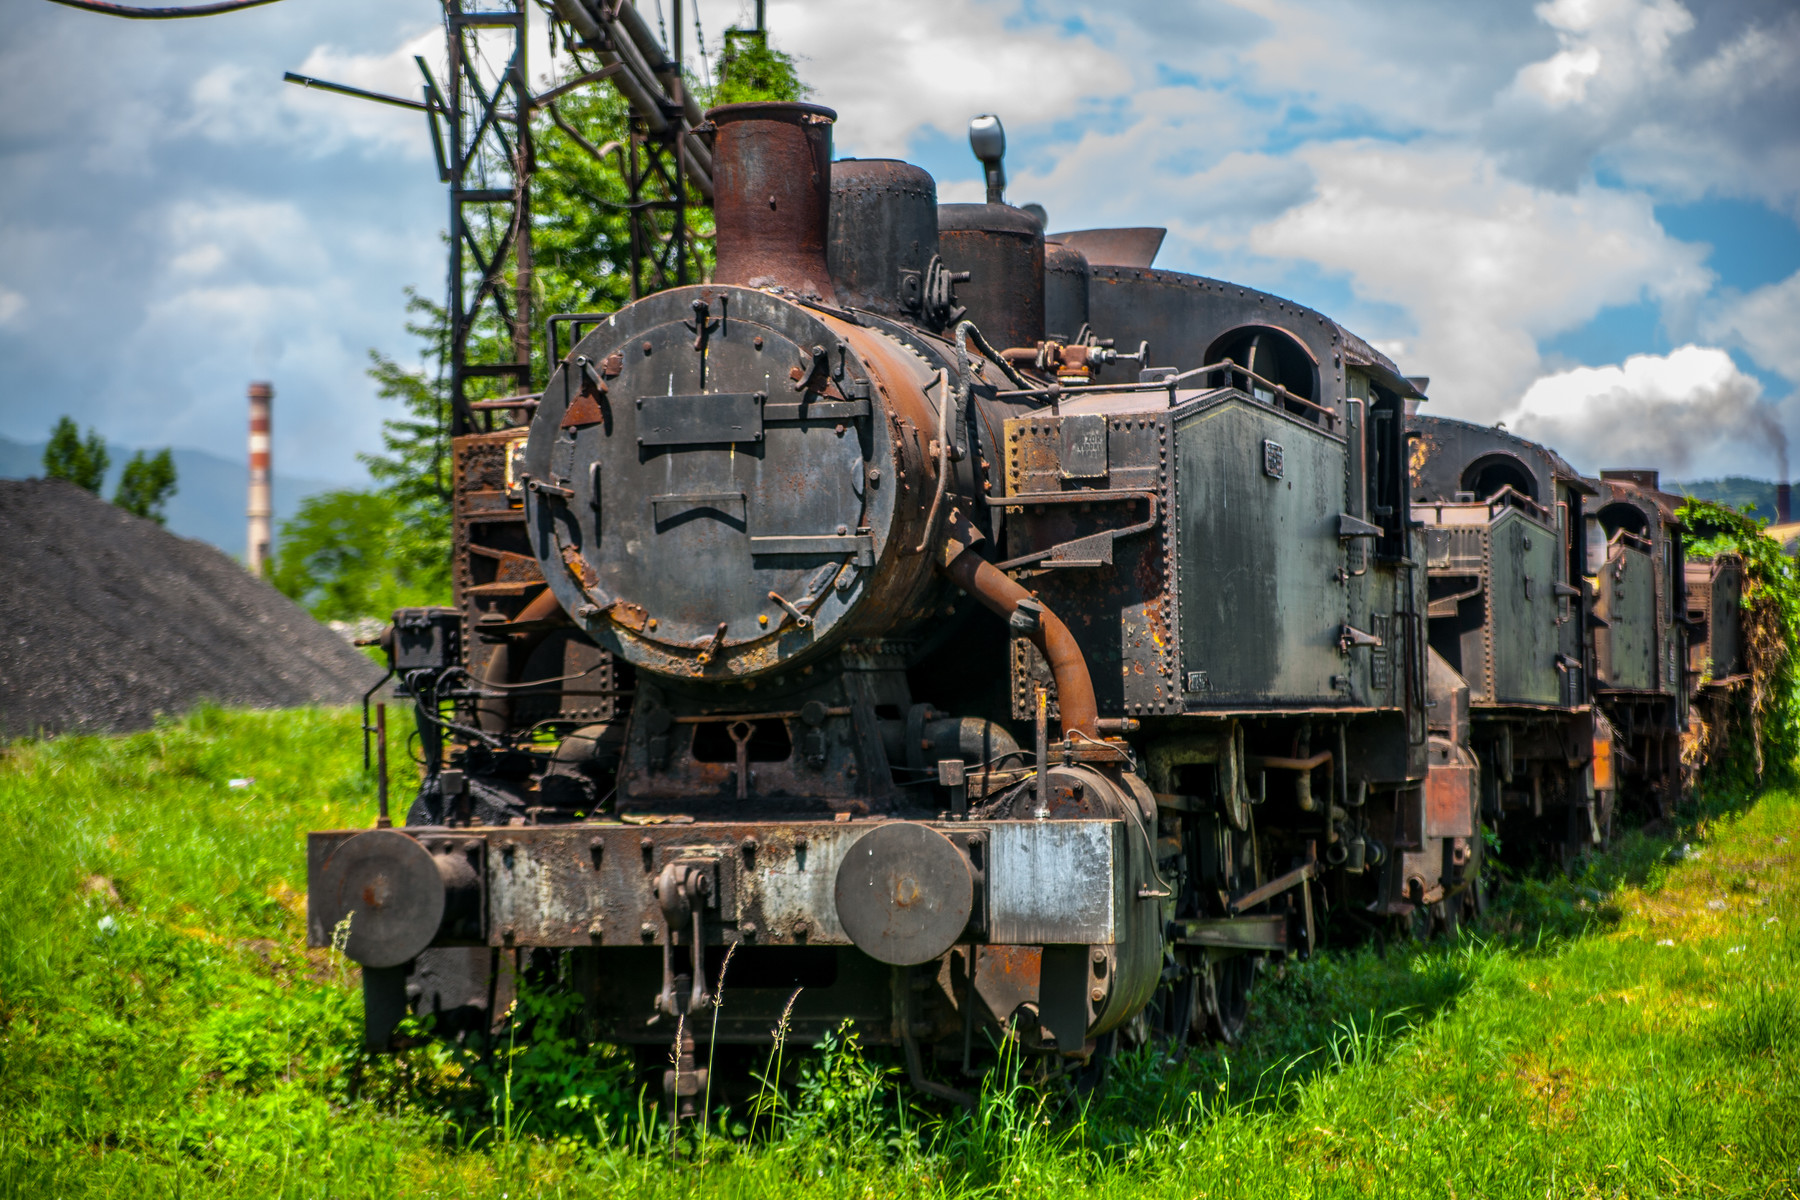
x,y
1238,933
1275,887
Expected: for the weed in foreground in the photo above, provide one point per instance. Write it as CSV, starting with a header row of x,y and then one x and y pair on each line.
x,y
162,1030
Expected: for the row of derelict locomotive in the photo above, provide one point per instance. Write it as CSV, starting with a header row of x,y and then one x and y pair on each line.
x,y
961,629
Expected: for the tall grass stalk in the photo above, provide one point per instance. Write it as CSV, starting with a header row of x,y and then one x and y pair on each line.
x,y
675,1062
718,1002
768,1085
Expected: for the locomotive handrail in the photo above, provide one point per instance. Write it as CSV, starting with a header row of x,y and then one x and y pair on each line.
x,y
528,400
1509,496
1023,499
1167,384
1329,413
553,344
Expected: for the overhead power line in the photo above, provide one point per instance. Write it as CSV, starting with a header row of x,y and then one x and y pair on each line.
x,y
131,12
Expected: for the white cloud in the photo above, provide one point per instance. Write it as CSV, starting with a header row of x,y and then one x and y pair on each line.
x,y
1684,105
1406,65
1690,412
898,67
1438,161
1484,265
1766,323
1612,41
1170,160
235,104
11,305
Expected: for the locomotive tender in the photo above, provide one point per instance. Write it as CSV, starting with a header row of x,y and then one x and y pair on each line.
x,y
879,620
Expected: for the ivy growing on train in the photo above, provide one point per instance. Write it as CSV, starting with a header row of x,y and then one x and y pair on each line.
x,y
1764,739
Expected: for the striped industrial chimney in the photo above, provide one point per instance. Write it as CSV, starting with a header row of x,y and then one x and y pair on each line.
x,y
261,506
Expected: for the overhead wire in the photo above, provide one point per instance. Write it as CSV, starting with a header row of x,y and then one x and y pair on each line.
x,y
134,13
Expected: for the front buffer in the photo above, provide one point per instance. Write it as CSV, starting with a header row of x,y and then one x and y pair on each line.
x,y
916,930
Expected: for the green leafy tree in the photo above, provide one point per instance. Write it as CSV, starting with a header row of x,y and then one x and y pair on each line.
x,y
351,553
69,456
413,470
343,556
1764,746
751,69
146,485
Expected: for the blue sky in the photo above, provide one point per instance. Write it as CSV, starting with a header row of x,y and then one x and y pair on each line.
x,y
1578,216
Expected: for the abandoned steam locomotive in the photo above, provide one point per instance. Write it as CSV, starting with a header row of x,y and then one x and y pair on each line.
x,y
954,628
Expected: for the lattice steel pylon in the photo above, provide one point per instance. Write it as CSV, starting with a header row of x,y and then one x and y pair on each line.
x,y
484,153
481,134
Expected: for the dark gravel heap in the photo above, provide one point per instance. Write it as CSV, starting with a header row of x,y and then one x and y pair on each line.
x,y
107,619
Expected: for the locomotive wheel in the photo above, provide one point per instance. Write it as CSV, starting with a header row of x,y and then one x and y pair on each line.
x,y
1476,898
1419,924
1228,984
1568,854
1176,1015
1092,1075
1450,914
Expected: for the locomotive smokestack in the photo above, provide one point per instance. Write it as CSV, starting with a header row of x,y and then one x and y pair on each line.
x,y
772,196
1784,502
261,507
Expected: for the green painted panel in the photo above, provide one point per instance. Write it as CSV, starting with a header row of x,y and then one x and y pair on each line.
x,y
1261,607
1523,607
1627,601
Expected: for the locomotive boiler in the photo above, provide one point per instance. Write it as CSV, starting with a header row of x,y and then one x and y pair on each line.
x,y
875,634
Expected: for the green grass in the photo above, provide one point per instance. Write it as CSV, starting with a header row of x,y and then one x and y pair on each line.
x,y
1635,1032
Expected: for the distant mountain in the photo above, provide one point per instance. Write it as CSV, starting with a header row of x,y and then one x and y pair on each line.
x,y
210,496
1737,491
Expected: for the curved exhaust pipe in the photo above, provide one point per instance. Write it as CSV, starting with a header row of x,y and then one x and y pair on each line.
x,y
1075,701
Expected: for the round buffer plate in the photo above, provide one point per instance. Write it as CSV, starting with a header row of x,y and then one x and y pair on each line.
x,y
904,893
390,888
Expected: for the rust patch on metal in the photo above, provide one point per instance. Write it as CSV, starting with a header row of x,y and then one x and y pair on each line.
x,y
1450,801
585,411
631,616
579,568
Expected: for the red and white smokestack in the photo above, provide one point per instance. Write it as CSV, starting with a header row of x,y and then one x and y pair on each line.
x,y
262,507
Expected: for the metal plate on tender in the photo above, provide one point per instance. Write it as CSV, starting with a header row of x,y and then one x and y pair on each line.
x,y
1082,453
1054,882
1449,801
709,419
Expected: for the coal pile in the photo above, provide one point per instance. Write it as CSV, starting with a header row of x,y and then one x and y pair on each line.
x,y
107,619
